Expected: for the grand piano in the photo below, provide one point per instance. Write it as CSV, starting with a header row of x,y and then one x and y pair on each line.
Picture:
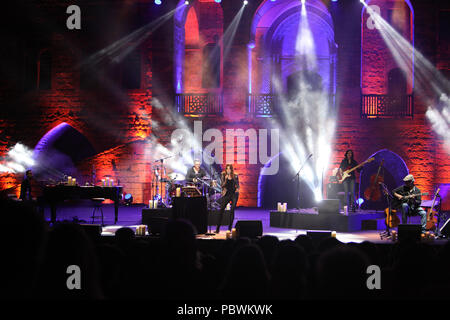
x,y
59,193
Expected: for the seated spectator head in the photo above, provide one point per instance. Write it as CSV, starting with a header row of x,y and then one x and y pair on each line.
x,y
124,236
247,276
179,244
23,239
341,273
305,242
68,245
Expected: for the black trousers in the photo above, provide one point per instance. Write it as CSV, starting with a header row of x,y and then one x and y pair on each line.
x,y
233,197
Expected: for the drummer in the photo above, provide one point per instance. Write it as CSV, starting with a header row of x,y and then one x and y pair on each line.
x,y
195,172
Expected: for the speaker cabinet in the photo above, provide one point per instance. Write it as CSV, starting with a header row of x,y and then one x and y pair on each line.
x,y
193,209
329,206
409,232
156,225
249,228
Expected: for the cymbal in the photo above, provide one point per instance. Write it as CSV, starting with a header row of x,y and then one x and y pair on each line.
x,y
176,176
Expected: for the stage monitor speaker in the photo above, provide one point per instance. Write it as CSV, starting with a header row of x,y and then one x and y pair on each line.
x,y
249,228
93,231
156,225
329,206
409,232
445,229
318,235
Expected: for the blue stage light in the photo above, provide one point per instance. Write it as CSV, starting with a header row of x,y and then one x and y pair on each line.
x,y
158,2
128,199
360,201
218,1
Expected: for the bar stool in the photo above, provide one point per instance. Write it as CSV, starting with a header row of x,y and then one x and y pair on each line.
x,y
98,203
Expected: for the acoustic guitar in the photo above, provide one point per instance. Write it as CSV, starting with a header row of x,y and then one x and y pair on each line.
x,y
431,214
396,203
346,173
392,220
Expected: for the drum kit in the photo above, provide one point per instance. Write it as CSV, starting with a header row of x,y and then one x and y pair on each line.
x,y
165,187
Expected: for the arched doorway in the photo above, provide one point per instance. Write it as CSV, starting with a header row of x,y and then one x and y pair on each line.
x,y
282,187
394,169
273,47
59,150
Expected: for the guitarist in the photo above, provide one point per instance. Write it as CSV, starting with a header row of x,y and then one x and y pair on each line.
x,y
349,184
412,206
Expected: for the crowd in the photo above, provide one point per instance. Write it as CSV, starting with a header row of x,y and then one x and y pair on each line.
x,y
178,266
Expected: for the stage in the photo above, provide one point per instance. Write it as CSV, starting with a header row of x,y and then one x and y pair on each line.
x,y
131,216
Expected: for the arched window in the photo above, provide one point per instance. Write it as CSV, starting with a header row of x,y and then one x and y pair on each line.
x,y
198,31
387,75
279,49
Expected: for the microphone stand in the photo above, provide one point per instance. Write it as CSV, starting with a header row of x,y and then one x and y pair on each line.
x,y
297,175
387,233
438,231
162,172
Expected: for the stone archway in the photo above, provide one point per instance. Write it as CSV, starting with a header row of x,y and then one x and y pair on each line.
x,y
395,170
272,47
59,150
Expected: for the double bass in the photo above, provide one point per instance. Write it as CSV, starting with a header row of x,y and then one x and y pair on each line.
x,y
373,192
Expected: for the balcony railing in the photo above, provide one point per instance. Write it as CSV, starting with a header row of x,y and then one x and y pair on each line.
x,y
261,105
387,106
266,104
199,104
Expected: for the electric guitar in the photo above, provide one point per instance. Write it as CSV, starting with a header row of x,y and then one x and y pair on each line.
x,y
346,173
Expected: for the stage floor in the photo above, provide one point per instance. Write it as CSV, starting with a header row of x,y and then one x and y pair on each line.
x,y
130,216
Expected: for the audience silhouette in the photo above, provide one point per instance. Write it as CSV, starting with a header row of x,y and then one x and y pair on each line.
x,y
36,257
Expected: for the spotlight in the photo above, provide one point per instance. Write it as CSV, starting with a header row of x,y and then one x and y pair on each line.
x,y
128,199
245,2
158,2
360,201
218,1
186,2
